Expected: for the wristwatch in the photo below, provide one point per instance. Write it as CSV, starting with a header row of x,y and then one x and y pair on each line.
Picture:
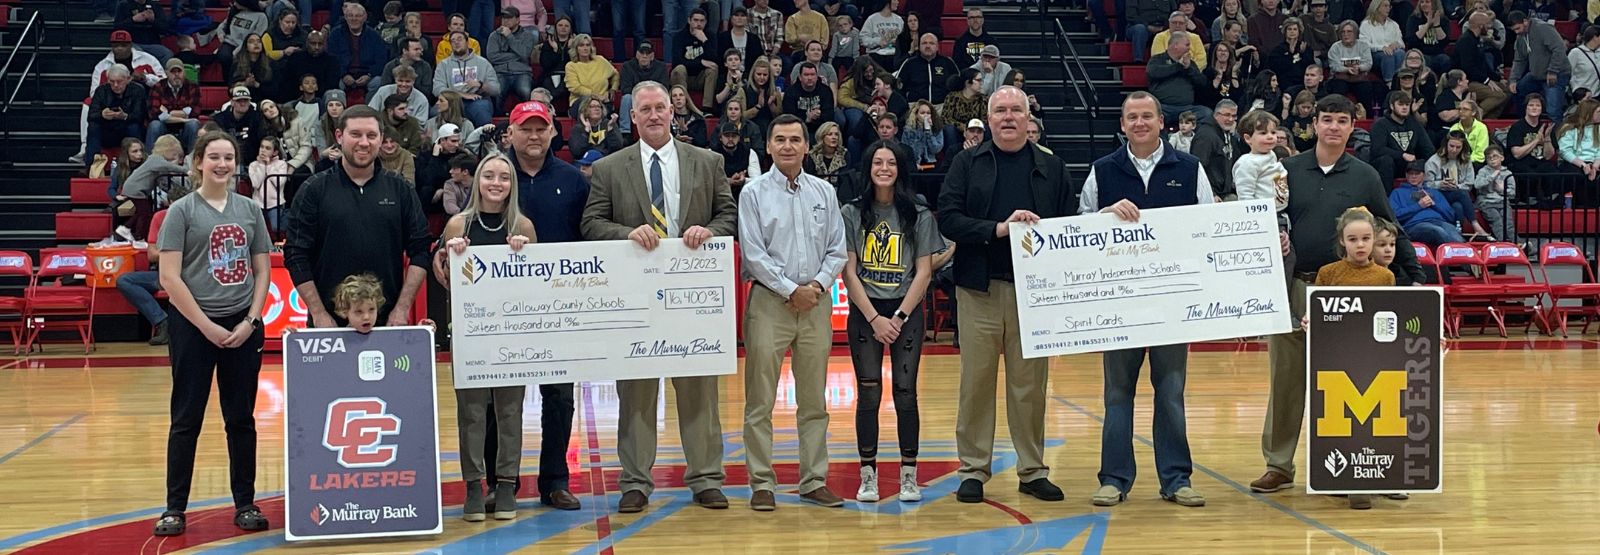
x,y
901,315
256,323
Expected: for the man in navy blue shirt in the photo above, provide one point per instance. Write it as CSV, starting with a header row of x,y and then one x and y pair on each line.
x,y
552,194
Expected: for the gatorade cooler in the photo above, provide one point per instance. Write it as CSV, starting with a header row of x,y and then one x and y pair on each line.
x,y
109,263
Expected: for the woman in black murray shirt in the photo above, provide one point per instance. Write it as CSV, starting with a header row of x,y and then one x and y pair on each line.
x,y
1529,145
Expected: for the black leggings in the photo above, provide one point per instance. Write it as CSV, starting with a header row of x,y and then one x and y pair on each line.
x,y
194,358
904,355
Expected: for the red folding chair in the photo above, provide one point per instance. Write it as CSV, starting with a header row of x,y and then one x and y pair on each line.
x,y
1513,293
58,306
1466,294
14,309
1426,260
1586,291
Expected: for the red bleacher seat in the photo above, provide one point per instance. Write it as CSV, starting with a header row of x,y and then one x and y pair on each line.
x,y
212,98
1364,124
953,6
1133,77
87,191
947,48
1570,222
217,14
1494,124
82,226
1120,52
434,23
320,18
1568,29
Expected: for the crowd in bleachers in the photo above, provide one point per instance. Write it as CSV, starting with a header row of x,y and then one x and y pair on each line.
x,y
270,73
1477,96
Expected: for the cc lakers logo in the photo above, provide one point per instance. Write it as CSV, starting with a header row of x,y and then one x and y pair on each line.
x,y
355,430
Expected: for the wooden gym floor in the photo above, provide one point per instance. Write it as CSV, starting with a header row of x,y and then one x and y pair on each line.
x,y
82,446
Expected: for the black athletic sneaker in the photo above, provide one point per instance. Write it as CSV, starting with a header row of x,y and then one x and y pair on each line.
x,y
971,491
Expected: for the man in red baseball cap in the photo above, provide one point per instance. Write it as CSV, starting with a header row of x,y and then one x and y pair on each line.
x,y
552,193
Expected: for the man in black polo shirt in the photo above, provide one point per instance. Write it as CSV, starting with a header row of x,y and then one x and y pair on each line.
x,y
1323,183
356,218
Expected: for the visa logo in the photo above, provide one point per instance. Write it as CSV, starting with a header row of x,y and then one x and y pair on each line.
x,y
320,345
1340,304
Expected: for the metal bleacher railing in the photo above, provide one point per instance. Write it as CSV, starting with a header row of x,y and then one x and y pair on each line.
x,y
25,43
1073,71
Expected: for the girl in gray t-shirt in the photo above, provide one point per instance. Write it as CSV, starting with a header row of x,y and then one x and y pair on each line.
x,y
214,265
891,239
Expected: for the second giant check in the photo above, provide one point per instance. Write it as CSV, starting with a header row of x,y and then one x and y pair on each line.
x,y
1190,273
590,311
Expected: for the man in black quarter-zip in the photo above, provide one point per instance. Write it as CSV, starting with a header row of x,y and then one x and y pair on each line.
x,y
357,218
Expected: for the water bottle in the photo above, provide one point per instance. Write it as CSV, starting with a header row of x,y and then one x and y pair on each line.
x,y
1566,201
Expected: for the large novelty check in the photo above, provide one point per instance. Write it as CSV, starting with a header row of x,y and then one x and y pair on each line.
x,y
596,310
1191,273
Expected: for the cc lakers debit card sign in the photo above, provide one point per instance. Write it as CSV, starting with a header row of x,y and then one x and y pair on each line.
x,y
1374,389
360,434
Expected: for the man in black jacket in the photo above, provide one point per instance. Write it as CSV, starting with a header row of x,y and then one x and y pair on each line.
x,y
987,188
971,42
1218,146
1483,75
809,100
926,76
1397,140
141,19
316,61
357,218
116,111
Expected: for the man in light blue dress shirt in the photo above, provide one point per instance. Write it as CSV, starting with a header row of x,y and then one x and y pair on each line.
x,y
792,244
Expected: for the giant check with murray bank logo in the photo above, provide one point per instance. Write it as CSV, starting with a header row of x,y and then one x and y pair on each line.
x,y
1189,273
591,311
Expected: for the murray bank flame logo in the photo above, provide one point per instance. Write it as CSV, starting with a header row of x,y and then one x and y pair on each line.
x,y
473,269
1336,463
319,515
1032,243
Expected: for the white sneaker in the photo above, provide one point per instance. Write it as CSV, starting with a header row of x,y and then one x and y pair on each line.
x,y
125,233
909,492
868,493
76,158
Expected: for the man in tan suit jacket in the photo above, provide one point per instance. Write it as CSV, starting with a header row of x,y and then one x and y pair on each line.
x,y
660,188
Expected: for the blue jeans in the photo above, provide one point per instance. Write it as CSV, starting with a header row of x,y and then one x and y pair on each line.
x,y
1140,36
160,51
520,86
482,19
274,218
1171,113
480,111
625,115
1433,233
1168,366
578,10
1389,64
675,15
1461,203
186,135
1555,96
108,134
140,289
626,15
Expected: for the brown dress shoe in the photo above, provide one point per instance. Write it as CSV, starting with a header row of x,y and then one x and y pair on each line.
x,y
762,500
822,496
561,499
1271,481
711,499
632,502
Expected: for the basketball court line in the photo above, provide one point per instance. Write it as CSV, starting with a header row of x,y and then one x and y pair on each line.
x,y
597,479
42,437
1358,544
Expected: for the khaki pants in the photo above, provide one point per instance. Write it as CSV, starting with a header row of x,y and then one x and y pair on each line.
x,y
699,426
471,405
1491,101
769,330
1286,402
989,330
707,81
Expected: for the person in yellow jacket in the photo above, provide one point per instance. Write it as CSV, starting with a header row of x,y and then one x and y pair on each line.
x,y
1197,47
443,50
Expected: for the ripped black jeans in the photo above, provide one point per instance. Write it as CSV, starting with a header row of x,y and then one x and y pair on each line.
x,y
866,353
